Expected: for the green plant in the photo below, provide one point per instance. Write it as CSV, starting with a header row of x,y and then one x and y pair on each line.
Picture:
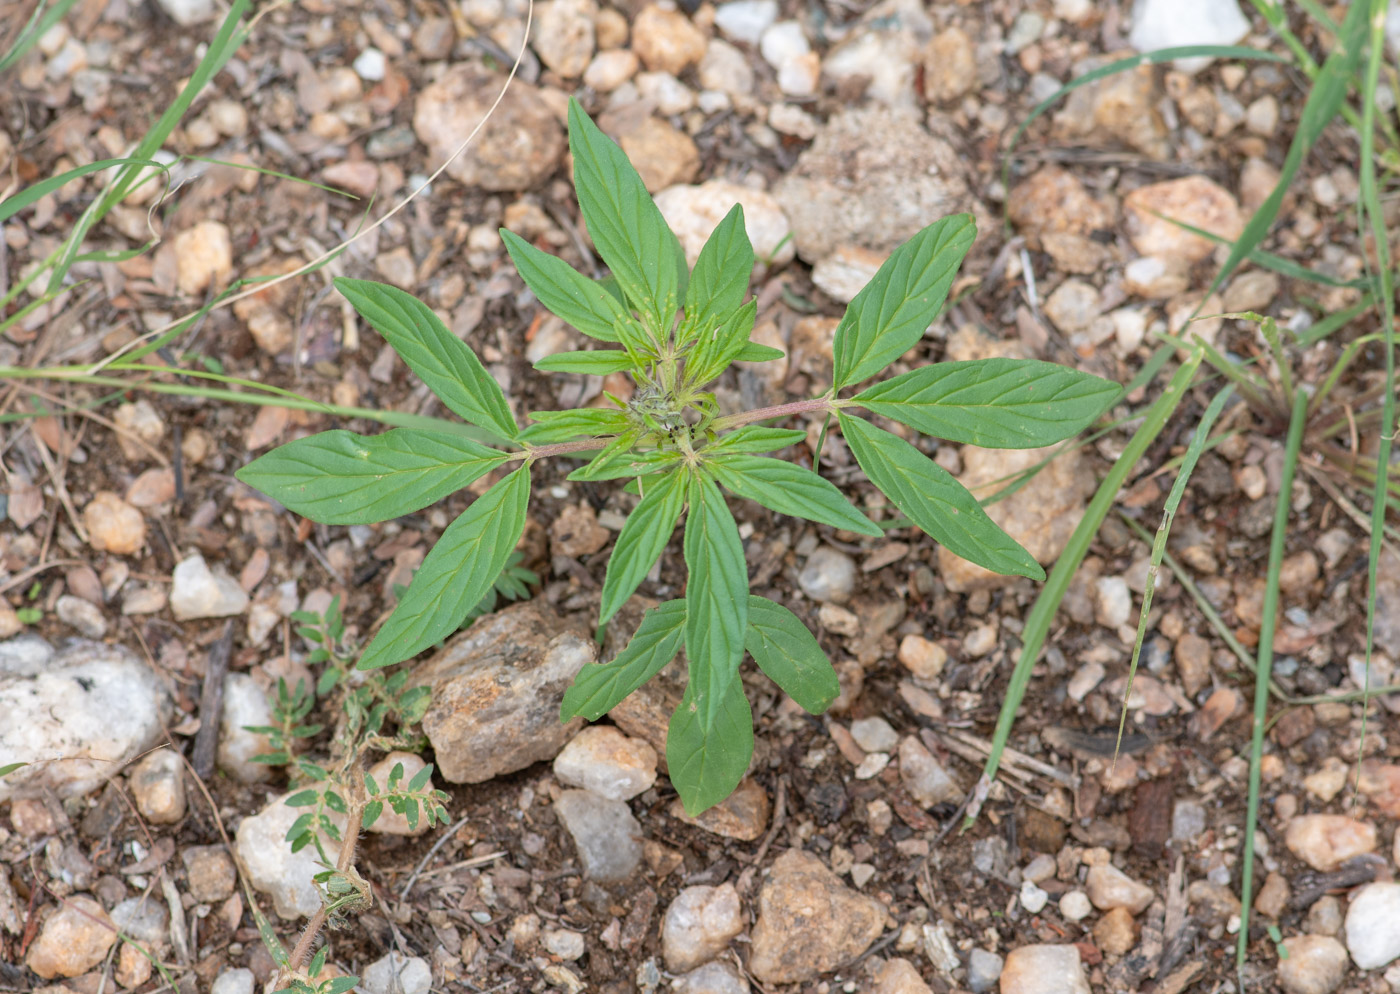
x,y
368,704
678,449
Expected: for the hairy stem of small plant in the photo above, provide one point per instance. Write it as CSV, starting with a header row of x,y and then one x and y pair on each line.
x,y
343,862
819,404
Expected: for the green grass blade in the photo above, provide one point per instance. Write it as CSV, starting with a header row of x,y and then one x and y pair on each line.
x,y
1159,543
39,22
1043,613
1265,661
31,194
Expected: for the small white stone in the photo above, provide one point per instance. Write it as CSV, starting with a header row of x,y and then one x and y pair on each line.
x,y
746,20
1372,937
782,43
398,974
275,870
1179,23
872,765
199,592
605,761
188,13
1076,906
699,924
562,942
874,734
244,704
370,64
237,981
1033,899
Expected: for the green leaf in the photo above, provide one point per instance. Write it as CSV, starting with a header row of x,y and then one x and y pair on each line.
x,y
641,541
599,363
442,360
996,403
302,798
421,778
707,759
614,463
598,688
716,598
789,489
717,349
721,277
933,500
788,653
753,352
9,768
340,478
318,961
560,426
754,438
625,224
893,311
339,985
567,293
456,574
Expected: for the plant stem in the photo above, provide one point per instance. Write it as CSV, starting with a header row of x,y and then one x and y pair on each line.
x,y
819,404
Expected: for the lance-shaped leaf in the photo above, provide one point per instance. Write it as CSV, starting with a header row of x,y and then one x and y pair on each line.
x,y
891,313
721,277
716,598
933,500
599,687
996,403
442,360
641,541
618,461
753,352
788,489
625,224
718,348
788,653
340,478
754,438
560,426
566,292
706,759
456,574
599,363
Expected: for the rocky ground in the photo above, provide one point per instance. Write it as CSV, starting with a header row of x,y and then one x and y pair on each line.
x,y
135,566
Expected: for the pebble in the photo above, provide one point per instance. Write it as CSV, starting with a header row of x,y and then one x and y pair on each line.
x,y
1194,200
209,873
899,976
237,981
390,822
270,329
562,942
712,978
518,147
828,575
605,833
610,69
1109,887
496,691
666,93
782,42
1032,897
950,66
665,40
158,784
1076,906
1325,842
576,532
272,868
922,657
1154,278
1044,969
846,271
662,155
746,20
73,939
874,734
924,777
145,919
1113,602
1372,938
1315,964
198,592
204,256
809,922
608,763
983,970
1325,916
564,35
743,815
98,706
152,488
1176,23
1116,932
1272,898
699,924
694,212
113,525
370,65
188,13
726,69
244,704
396,973
1073,306
81,615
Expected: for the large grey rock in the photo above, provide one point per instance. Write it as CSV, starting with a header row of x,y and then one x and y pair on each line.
x,y
273,869
75,715
608,838
497,689
873,177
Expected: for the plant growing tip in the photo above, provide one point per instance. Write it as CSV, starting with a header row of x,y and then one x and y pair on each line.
x,y
674,332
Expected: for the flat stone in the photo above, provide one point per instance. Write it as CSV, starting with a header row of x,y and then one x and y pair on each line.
x,y
809,922
200,592
607,836
1325,841
743,815
209,873
1372,938
607,762
698,925
75,715
1178,23
923,776
73,939
1044,969
81,615
1316,964
1193,200
396,973
516,149
496,691
273,869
